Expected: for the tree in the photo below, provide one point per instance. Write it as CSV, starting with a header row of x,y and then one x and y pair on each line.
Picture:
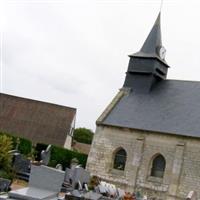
x,y
5,156
83,135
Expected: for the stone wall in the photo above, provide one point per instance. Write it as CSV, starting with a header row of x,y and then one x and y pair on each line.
x,y
182,155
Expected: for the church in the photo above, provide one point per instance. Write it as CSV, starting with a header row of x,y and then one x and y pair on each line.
x,y
148,138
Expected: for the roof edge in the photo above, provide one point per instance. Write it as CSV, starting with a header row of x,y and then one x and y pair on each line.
x,y
149,131
109,108
29,99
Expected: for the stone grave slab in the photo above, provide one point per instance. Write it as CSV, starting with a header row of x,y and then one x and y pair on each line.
x,y
44,183
31,193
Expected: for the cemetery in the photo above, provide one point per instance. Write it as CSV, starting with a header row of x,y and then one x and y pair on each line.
x,y
44,182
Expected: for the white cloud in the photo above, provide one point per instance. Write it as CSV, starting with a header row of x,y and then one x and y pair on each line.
x,y
74,52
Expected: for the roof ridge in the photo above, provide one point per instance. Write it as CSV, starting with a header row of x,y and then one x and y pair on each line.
x,y
29,99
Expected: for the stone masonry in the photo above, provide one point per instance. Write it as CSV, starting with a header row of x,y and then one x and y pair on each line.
x,y
182,155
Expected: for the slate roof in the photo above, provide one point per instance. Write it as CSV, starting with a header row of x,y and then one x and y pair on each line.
x,y
173,107
152,43
35,120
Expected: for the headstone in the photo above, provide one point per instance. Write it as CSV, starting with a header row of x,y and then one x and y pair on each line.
x,y
22,166
192,195
68,175
46,155
74,163
4,185
80,174
44,183
86,187
76,178
59,166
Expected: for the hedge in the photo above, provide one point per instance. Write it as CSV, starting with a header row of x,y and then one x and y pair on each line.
x,y
25,146
59,155
63,156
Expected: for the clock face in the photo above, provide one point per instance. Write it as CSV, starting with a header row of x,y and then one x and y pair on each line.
x,y
162,52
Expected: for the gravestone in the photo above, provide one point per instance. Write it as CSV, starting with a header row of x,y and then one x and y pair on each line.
x,y
75,178
22,166
74,163
192,196
46,155
44,183
59,166
4,185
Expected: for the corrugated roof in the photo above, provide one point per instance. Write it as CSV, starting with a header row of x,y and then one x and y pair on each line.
x,y
173,106
35,120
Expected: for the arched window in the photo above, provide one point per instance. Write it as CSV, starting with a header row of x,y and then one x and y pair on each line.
x,y
120,159
158,166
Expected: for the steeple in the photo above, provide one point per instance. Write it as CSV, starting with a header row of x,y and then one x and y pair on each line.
x,y
153,44
154,38
148,66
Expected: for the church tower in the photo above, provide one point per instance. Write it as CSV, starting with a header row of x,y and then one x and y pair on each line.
x,y
147,67
146,135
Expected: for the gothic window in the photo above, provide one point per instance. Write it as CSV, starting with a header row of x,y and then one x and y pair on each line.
x,y
158,166
120,159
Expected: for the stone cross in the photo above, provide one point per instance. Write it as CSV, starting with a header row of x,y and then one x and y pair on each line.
x,y
46,155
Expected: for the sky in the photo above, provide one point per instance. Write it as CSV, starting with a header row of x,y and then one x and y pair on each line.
x,y
75,52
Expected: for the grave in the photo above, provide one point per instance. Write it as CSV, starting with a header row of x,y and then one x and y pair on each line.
x,y
192,195
46,155
44,183
75,178
4,185
22,166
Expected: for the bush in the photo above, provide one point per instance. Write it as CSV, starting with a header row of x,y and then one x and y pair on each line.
x,y
5,156
24,145
59,155
63,156
83,135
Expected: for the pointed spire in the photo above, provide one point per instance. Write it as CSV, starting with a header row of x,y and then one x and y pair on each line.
x,y
153,40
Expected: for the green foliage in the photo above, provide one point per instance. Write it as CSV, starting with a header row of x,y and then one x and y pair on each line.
x,y
64,156
24,145
83,135
5,156
59,155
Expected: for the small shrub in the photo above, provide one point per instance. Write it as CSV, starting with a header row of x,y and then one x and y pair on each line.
x,y
24,145
5,156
